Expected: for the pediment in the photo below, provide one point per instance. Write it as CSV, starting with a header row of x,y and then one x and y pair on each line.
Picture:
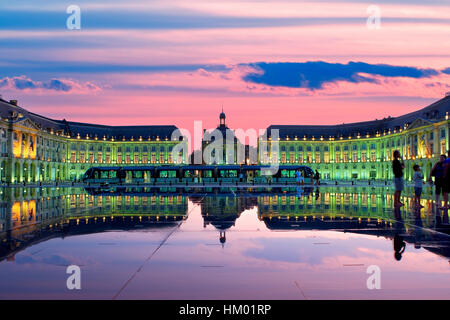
x,y
420,122
26,122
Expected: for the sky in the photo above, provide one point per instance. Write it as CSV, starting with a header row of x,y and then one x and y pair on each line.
x,y
266,62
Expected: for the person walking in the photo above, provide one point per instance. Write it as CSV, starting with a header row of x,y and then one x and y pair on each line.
x,y
299,177
317,177
397,168
438,172
418,184
446,181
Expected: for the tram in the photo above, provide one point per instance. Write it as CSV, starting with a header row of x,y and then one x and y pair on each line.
x,y
194,174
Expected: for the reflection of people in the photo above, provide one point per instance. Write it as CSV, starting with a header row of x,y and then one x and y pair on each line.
x,y
445,216
397,168
299,192
222,238
418,228
418,184
399,225
399,246
317,193
317,177
437,221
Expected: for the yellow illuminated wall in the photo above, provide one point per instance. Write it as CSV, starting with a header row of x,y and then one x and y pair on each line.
x,y
24,211
15,212
31,147
17,144
24,146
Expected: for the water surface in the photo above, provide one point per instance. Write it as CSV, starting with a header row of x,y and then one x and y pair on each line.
x,y
221,243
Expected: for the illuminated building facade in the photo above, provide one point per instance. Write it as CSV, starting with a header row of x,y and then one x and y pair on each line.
x,y
34,148
363,150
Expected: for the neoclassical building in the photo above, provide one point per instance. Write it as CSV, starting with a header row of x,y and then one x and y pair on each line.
x,y
35,148
363,150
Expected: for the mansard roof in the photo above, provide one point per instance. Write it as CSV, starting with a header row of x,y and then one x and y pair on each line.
x,y
16,113
118,132
433,113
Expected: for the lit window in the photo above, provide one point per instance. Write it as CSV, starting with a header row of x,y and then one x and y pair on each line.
x,y
363,157
345,156
318,157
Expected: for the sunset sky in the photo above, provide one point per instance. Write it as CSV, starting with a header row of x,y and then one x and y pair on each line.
x,y
267,62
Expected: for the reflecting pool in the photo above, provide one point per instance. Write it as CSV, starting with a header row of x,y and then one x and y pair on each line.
x,y
222,243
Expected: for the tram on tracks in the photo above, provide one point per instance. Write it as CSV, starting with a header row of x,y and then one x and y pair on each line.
x,y
193,174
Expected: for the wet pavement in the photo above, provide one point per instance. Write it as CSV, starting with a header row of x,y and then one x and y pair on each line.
x,y
222,243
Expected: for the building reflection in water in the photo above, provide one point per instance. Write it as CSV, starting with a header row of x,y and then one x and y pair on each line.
x,y
32,215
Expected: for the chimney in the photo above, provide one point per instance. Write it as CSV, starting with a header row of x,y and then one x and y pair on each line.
x,y
14,102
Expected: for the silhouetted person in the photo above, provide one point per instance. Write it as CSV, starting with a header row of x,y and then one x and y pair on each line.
x,y
299,177
438,172
397,168
317,177
446,184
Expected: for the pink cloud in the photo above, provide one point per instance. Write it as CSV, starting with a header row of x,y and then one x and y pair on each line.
x,y
26,84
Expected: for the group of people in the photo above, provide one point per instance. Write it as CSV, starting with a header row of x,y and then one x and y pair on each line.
x,y
299,176
440,172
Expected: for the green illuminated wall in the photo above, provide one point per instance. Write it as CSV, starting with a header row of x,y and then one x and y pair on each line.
x,y
366,157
